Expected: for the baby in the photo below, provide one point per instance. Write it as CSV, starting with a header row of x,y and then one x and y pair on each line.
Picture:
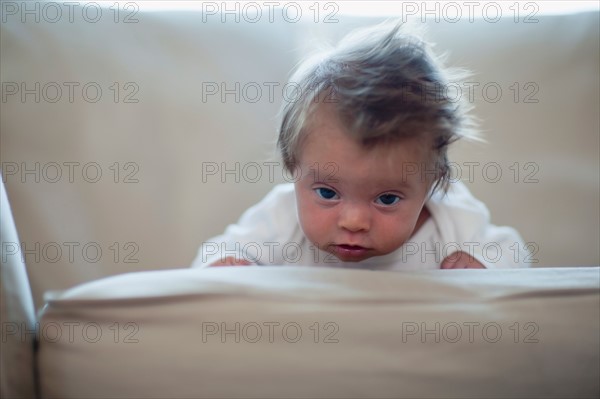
x,y
367,142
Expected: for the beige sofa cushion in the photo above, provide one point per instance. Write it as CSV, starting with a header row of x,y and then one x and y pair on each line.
x,y
320,332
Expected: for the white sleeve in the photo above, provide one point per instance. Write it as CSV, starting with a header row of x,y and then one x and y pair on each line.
x,y
501,247
464,224
258,230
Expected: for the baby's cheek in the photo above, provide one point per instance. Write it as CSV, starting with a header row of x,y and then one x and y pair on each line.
x,y
394,234
314,225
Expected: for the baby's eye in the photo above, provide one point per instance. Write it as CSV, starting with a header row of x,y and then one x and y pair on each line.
x,y
388,199
325,193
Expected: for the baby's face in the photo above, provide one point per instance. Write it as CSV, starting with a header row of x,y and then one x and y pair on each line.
x,y
356,202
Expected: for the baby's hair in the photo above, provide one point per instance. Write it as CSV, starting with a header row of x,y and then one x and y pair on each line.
x,y
385,85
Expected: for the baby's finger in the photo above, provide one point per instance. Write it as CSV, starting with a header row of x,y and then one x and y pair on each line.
x,y
451,261
231,261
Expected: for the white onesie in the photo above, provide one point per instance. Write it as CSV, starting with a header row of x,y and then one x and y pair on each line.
x,y
269,233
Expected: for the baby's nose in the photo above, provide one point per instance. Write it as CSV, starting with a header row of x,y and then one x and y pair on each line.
x,y
355,218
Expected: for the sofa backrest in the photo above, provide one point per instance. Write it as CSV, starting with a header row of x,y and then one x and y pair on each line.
x,y
169,129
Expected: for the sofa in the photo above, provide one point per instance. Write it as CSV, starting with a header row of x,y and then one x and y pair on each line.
x,y
132,134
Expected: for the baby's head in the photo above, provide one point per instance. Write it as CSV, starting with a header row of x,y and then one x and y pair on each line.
x,y
367,140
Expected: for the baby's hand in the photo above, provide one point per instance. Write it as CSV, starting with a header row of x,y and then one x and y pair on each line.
x,y
461,260
231,261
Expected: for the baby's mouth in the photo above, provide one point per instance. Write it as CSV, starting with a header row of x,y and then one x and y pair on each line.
x,y
350,252
351,247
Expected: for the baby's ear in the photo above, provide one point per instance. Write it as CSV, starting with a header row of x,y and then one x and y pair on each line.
x,y
290,168
441,181
292,175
